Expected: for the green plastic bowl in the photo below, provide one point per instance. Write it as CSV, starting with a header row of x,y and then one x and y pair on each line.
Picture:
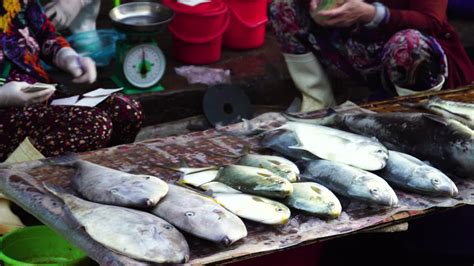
x,y
38,245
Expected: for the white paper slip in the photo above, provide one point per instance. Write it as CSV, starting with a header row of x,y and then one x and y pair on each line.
x,y
91,101
193,2
66,101
101,92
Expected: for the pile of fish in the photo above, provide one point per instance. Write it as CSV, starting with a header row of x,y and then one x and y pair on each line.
x,y
360,157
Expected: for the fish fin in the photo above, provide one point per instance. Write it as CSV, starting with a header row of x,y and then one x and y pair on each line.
x,y
410,158
436,119
68,159
162,166
296,148
461,116
304,177
274,162
55,190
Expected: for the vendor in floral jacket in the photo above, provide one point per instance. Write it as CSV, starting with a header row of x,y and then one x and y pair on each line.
x,y
400,46
26,37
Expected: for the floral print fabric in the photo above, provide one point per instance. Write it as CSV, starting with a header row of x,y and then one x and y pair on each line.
x,y
55,130
408,59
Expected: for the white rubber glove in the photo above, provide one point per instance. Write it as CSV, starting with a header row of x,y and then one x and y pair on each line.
x,y
11,95
63,12
81,68
86,19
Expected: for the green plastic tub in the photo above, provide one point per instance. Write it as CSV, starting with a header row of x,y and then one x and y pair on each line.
x,y
38,245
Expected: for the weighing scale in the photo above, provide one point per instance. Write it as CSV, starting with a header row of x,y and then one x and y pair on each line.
x,y
140,63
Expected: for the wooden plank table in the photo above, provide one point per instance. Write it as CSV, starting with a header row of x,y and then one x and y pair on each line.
x,y
23,184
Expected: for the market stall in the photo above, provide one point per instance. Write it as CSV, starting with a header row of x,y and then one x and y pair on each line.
x,y
24,184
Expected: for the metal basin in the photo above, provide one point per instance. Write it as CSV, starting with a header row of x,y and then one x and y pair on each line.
x,y
141,17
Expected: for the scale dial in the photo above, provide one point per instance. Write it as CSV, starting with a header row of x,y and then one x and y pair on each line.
x,y
144,65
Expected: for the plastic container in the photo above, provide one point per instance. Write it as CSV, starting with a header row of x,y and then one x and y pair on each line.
x,y
251,11
197,31
242,34
38,245
98,45
198,51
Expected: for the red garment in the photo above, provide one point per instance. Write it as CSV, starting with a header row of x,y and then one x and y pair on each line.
x,y
429,17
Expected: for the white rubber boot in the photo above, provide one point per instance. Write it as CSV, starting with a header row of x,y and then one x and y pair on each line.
x,y
406,92
311,80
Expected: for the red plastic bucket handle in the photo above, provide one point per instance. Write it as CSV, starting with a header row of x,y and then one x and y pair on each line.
x,y
247,24
203,39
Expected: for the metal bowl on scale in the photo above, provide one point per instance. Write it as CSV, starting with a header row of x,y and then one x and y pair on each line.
x,y
141,17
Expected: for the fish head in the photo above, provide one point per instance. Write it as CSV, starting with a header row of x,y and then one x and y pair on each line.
x,y
274,183
371,188
433,180
176,246
273,212
376,156
134,192
216,223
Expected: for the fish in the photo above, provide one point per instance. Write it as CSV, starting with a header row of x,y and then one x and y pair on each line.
x,y
275,164
339,146
462,112
281,141
198,177
351,182
408,173
200,216
218,187
445,143
253,180
314,199
254,208
133,233
101,184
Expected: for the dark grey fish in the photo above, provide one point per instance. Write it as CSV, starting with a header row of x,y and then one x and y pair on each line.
x,y
408,173
108,186
445,143
200,216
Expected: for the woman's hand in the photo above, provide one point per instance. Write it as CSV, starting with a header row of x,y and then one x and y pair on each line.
x,y
83,69
350,13
14,94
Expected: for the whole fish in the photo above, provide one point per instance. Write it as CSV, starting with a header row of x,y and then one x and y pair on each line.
x,y
281,141
314,199
351,182
407,172
462,112
200,216
218,187
254,208
339,146
445,143
135,234
108,186
253,180
275,164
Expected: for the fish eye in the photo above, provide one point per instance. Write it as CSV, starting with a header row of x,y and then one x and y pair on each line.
x,y
147,177
279,209
114,190
189,214
331,204
168,227
374,190
435,181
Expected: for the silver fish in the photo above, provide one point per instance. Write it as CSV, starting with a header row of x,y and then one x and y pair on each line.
x,y
253,180
351,182
314,199
339,146
254,208
407,172
275,164
281,141
135,234
200,216
462,112
197,177
445,143
108,186
218,187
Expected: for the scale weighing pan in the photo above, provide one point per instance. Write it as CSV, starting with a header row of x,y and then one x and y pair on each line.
x,y
141,17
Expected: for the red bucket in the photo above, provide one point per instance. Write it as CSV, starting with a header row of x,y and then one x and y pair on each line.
x,y
204,19
251,11
242,34
198,50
